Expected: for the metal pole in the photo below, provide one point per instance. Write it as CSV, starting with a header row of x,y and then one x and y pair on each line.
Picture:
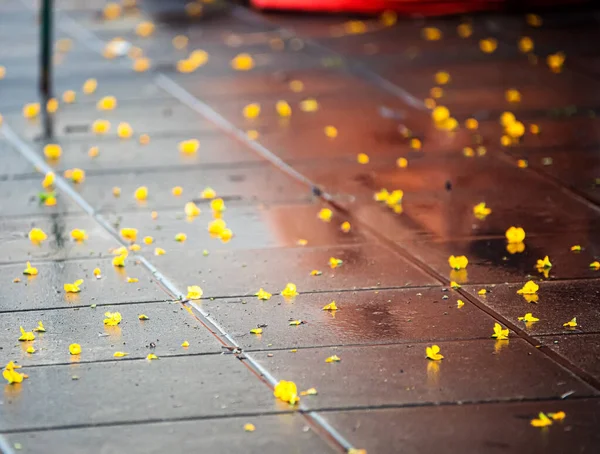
x,y
46,64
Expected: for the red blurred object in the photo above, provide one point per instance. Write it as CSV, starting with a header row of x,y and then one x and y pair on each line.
x,y
404,7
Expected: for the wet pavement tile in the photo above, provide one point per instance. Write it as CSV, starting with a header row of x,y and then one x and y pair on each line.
x,y
176,387
556,304
581,350
256,183
161,152
11,162
363,317
474,428
253,226
440,193
243,272
494,260
84,326
45,291
274,434
159,115
60,244
21,197
471,371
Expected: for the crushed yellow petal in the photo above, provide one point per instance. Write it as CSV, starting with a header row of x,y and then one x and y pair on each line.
x,y
290,290
316,273
119,260
330,307
30,270
460,303
151,356
75,349
287,392
180,237
185,344
120,354
334,262
571,323
541,421
345,227
79,235
177,191
333,359
194,292
52,151
256,331
263,295
26,336
124,130
159,251
529,288
132,280
97,272
402,163
37,235
112,318
528,318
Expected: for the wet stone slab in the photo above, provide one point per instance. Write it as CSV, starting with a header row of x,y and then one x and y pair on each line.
x,y
45,291
84,326
257,183
11,163
440,192
556,304
364,317
474,428
243,272
581,350
145,117
161,153
177,387
21,197
254,226
274,434
472,370
491,260
60,244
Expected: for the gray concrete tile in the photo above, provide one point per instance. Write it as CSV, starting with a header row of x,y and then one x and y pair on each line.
x,y
12,162
243,272
262,183
84,326
21,198
145,117
364,317
162,152
471,371
254,226
134,391
274,434
45,291
472,428
60,245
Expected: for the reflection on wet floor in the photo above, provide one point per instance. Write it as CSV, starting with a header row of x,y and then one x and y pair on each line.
x,y
348,158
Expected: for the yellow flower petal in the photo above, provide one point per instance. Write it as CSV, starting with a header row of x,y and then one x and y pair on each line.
x,y
30,270
460,303
515,235
287,392
330,307
433,353
256,331
333,359
151,356
263,295
194,292
541,421
112,318
499,332
159,251
289,291
75,349
189,146
40,328
74,287
571,323
79,235
529,288
119,354
283,109
458,262
242,62
185,344
26,336
37,236
325,214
